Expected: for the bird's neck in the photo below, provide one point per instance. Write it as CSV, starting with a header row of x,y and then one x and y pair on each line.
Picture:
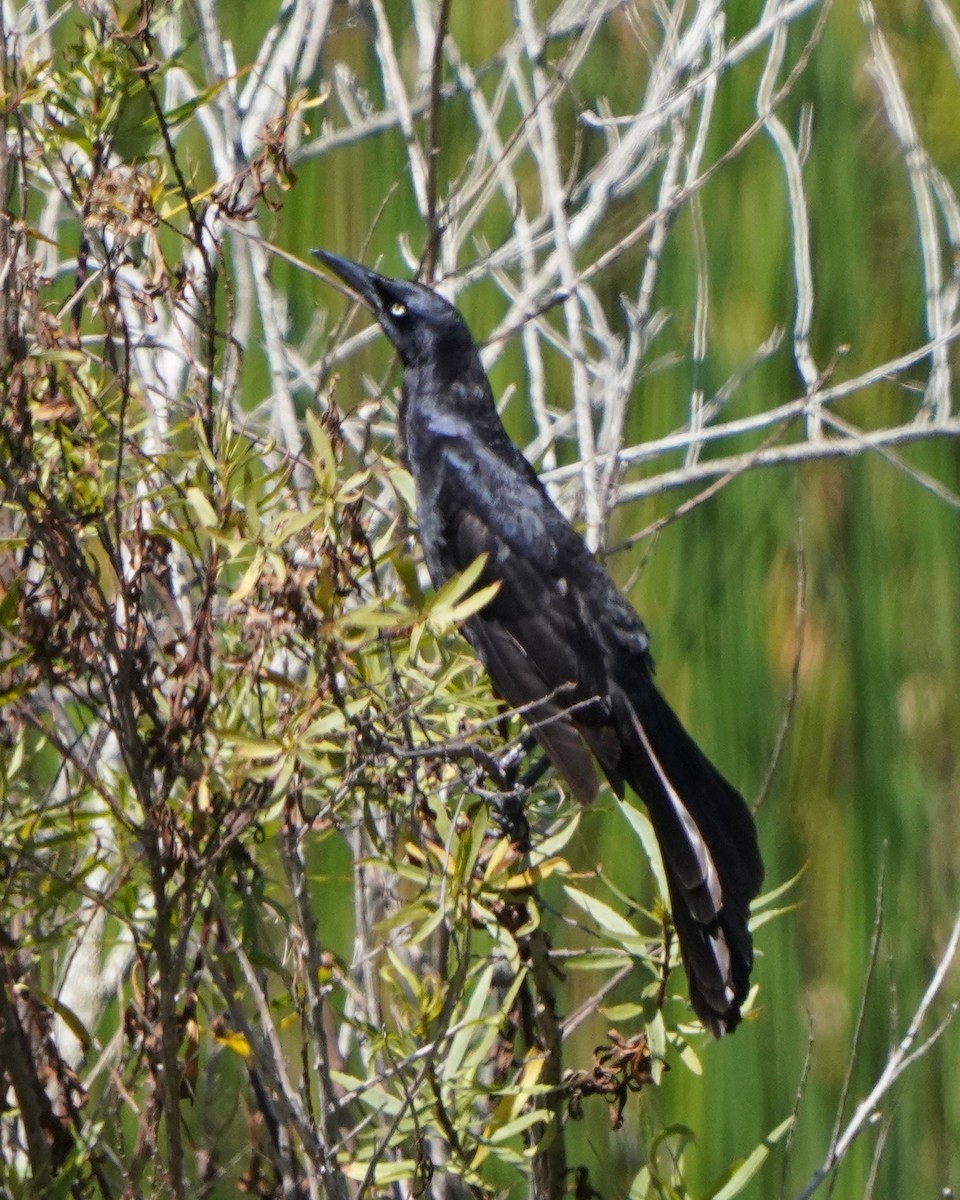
x,y
441,400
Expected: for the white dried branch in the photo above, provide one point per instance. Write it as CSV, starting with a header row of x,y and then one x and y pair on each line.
x,y
268,1051
231,135
493,162
915,474
221,123
907,1051
786,455
918,165
667,94
642,314
547,151
698,414
400,101
491,168
362,126
97,962
799,216
287,61
949,25
777,418
285,423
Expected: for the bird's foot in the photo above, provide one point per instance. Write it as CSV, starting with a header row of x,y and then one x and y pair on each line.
x,y
513,759
511,818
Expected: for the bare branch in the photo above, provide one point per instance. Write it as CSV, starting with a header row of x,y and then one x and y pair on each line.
x,y
907,1051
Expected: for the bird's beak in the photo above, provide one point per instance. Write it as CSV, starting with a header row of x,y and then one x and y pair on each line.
x,y
358,278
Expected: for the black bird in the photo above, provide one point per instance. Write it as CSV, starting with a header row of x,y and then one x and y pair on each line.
x,y
559,641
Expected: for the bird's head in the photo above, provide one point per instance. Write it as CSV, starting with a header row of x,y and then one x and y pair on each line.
x,y
420,324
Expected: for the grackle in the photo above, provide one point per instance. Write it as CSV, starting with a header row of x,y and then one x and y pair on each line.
x,y
559,641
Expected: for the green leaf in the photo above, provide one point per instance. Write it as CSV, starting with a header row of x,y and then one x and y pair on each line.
x,y
453,593
640,1188
519,1124
324,458
775,893
657,1041
489,1030
176,116
431,922
403,485
607,919
472,1018
201,505
769,914
370,1094
252,748
374,617
472,604
596,960
290,523
384,1172
618,1013
552,846
736,1178
643,828
688,1056
249,579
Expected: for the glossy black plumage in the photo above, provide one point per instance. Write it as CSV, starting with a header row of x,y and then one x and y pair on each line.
x,y
559,641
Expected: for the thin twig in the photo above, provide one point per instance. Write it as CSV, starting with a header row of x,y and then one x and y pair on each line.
x,y
793,690
433,143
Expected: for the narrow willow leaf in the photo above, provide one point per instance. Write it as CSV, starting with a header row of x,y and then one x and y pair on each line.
x,y
472,1017
252,748
553,845
325,461
534,875
490,1029
607,919
202,507
643,828
769,914
290,523
736,1179
618,1013
248,580
473,603
519,1124
501,851
768,898
372,1095
640,1188
457,587
657,1041
384,1173
608,959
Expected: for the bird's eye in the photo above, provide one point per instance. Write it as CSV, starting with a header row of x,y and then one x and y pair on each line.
x,y
398,309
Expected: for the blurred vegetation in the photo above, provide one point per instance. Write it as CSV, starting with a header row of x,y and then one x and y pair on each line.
x,y
225,685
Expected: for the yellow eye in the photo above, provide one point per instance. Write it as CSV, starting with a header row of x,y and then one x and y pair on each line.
x,y
398,309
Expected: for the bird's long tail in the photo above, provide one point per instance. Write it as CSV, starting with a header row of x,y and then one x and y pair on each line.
x,y
708,841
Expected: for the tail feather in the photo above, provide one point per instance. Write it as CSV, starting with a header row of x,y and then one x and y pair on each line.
x,y
708,841
718,970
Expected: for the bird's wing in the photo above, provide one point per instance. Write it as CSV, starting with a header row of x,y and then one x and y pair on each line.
x,y
492,507
530,637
